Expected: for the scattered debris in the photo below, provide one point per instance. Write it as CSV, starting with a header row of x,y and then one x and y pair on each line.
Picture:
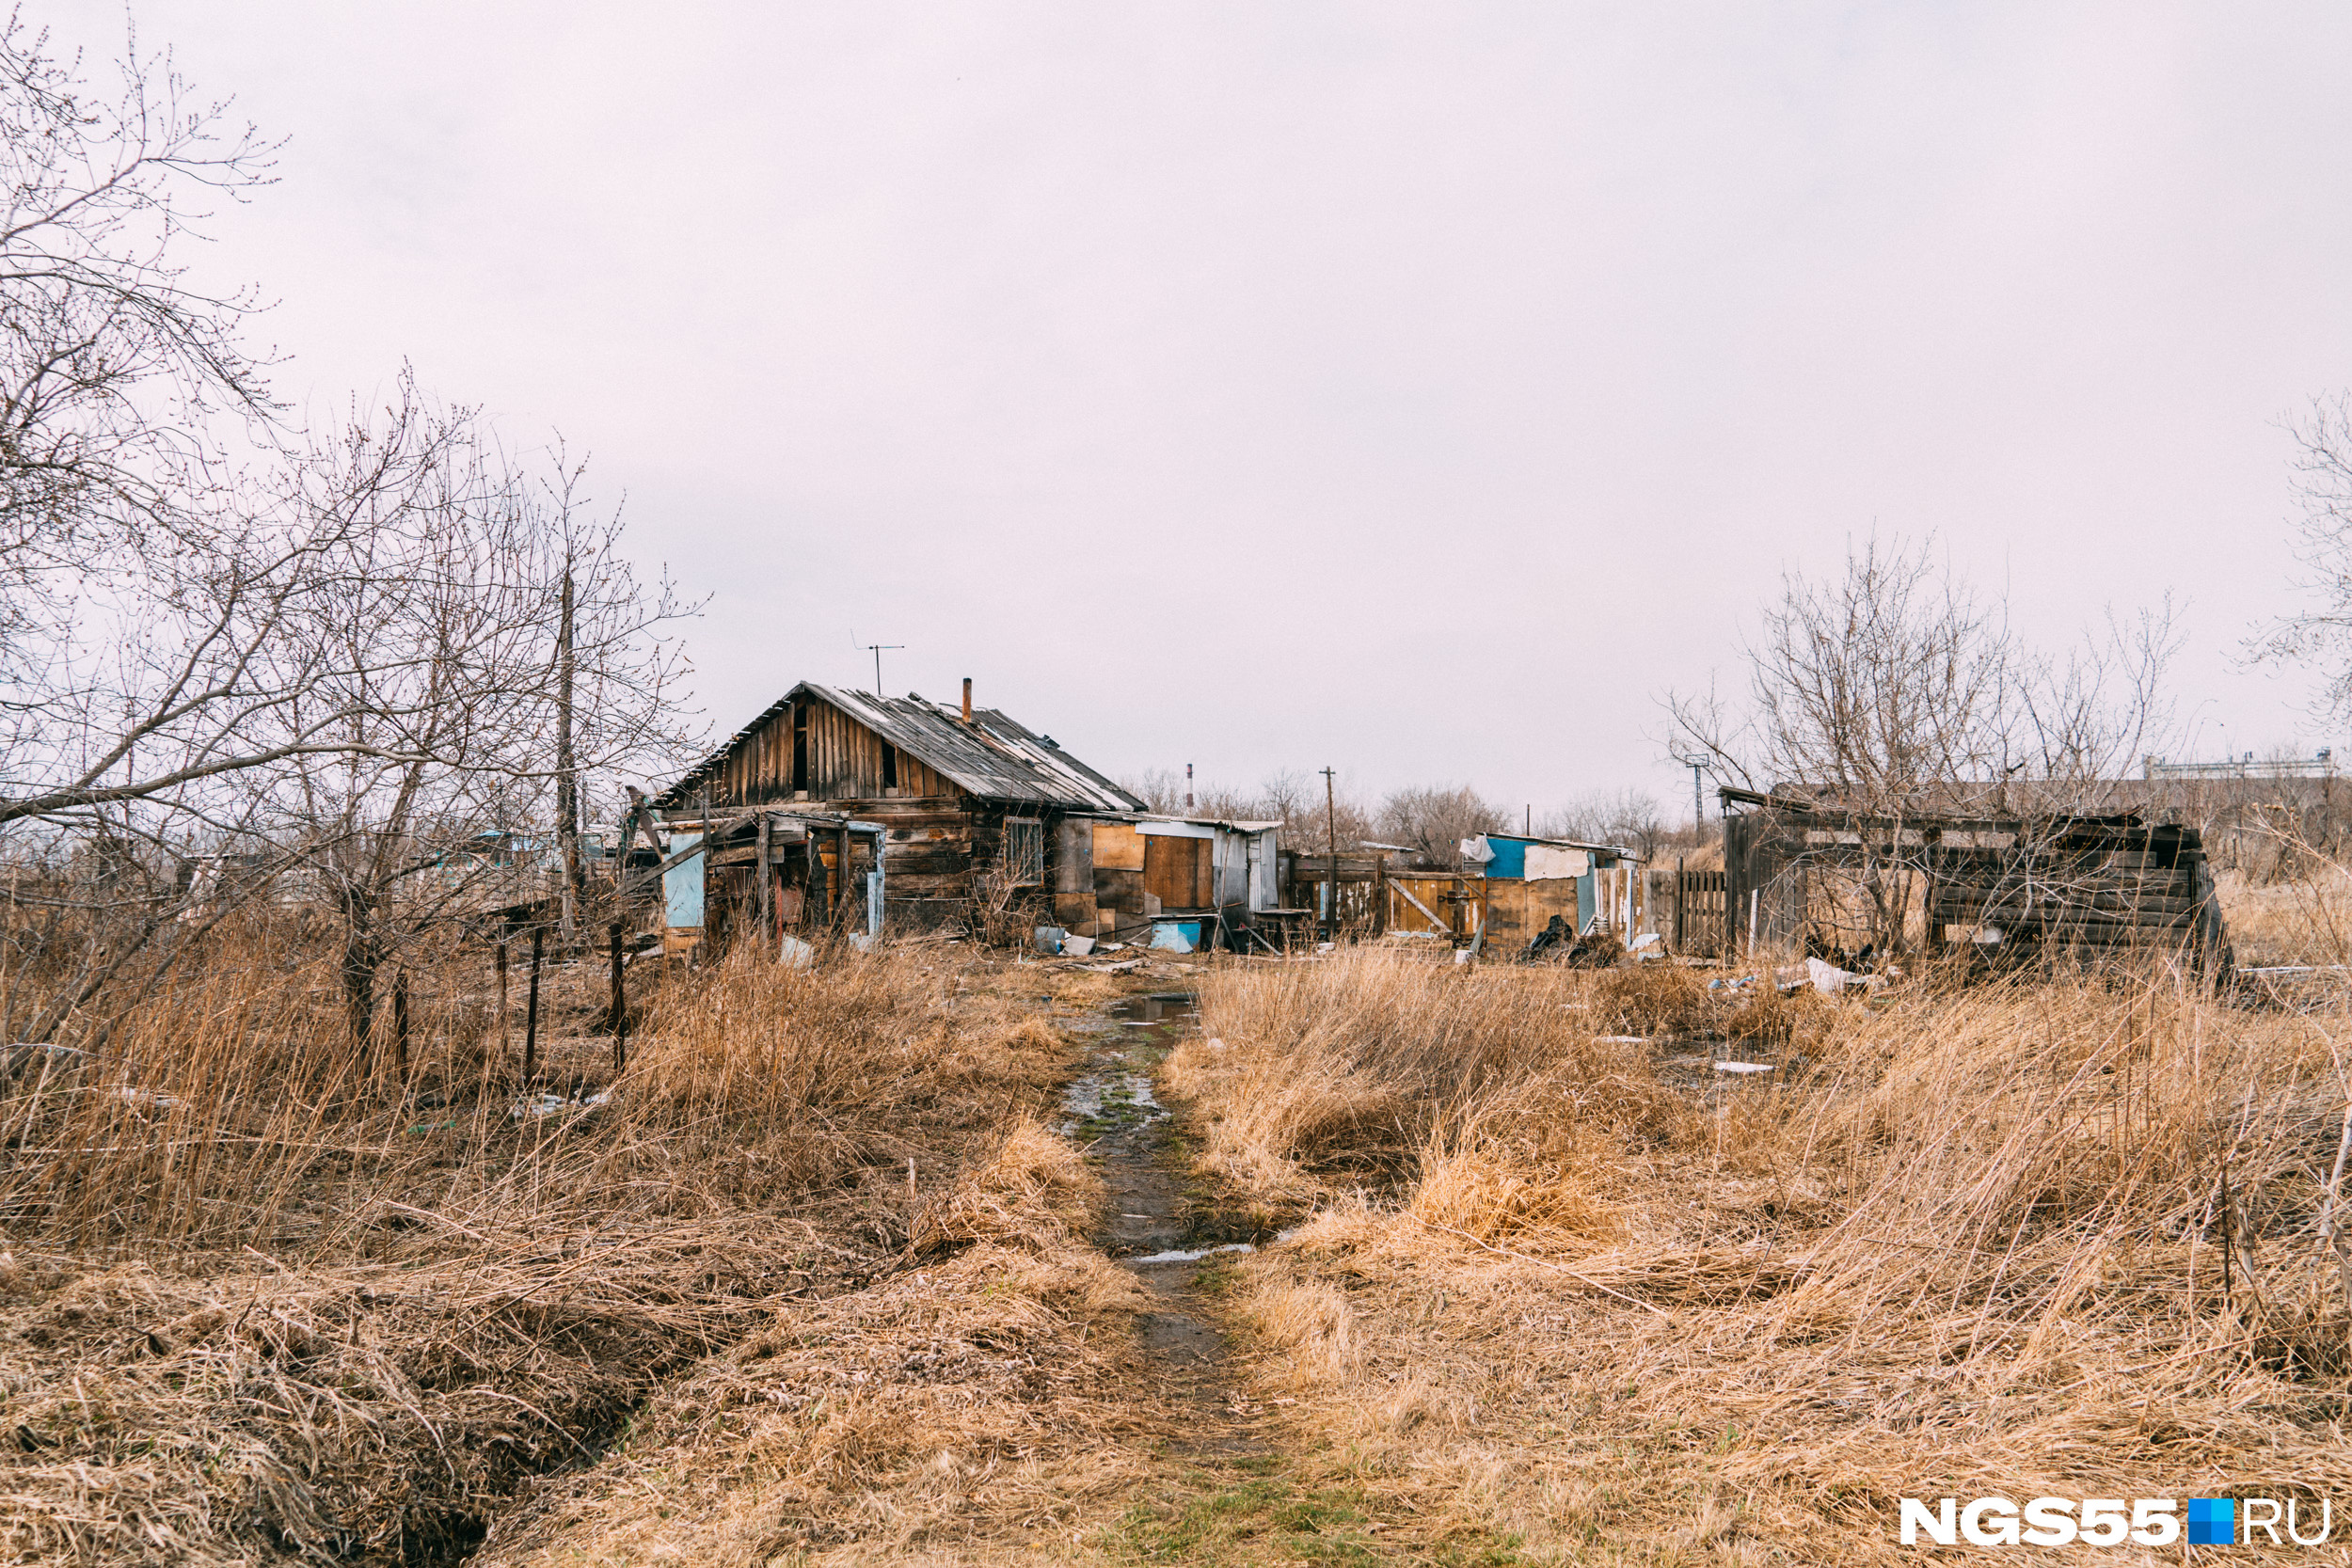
x,y
1176,936
545,1104
1743,1067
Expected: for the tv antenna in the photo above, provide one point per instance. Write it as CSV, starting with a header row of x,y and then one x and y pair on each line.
x,y
877,649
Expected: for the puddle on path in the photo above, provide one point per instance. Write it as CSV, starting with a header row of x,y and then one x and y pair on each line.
x,y
1161,1224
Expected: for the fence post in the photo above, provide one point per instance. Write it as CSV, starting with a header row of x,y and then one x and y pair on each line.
x,y
620,1001
531,1018
399,1021
504,1007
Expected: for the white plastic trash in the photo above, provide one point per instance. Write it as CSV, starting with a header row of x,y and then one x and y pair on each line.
x,y
1828,976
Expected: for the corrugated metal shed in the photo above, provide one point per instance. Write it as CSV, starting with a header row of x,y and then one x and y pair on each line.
x,y
992,756
1510,852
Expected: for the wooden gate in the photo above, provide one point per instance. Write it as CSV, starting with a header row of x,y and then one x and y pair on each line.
x,y
1690,910
1435,906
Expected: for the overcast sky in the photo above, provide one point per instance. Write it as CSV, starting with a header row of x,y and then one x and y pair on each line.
x,y
1419,389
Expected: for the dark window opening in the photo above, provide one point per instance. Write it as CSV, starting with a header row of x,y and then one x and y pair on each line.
x,y
1024,851
799,748
890,766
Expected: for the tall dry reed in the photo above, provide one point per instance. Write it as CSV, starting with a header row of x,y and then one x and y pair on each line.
x,y
1342,1071
2074,1236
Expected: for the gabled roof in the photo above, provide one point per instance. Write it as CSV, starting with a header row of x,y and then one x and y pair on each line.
x,y
992,756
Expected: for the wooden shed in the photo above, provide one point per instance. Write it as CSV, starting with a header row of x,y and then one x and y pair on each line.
x,y
2002,889
1211,879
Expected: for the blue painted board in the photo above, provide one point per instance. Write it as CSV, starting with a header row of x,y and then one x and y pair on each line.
x,y
682,885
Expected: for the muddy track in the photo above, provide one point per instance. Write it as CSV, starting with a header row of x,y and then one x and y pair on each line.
x,y
1163,1222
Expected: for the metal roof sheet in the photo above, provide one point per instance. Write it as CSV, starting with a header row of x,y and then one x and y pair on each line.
x,y
992,756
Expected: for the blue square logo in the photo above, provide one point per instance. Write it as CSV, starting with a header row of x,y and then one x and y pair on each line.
x,y
2213,1521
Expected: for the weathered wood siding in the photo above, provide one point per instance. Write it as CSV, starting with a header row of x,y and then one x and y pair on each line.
x,y
845,762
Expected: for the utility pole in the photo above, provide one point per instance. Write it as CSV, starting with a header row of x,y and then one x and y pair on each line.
x,y
877,650
1188,786
1332,840
1698,804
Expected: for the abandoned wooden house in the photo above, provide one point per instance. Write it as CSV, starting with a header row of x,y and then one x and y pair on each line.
x,y
950,805
939,816
2001,890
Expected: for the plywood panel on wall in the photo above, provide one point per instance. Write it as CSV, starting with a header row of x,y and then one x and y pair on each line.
x,y
1176,871
1118,847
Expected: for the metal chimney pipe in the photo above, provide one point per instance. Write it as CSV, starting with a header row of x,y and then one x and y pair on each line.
x,y
967,699
1188,786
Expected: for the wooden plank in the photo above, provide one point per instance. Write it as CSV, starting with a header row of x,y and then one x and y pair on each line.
x,y
1119,890
1117,846
1404,890
1169,870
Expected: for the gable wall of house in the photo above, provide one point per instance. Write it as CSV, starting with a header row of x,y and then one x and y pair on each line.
x,y
845,762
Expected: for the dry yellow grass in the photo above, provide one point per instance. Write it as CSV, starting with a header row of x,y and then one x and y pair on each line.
x,y
260,1302
982,1407
1973,1245
1317,1077
2303,916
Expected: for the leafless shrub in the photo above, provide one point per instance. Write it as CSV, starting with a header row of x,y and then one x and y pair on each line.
x,y
1629,818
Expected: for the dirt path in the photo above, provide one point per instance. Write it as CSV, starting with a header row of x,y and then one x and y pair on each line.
x,y
1226,1493
1162,1224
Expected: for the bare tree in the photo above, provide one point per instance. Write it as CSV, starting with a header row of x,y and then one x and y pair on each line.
x,y
2320,636
352,654
1628,818
116,374
491,646
1160,790
1432,821
113,365
1894,691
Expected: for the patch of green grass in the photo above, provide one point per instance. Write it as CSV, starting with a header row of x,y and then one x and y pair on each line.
x,y
1214,1278
1252,1514
1260,1519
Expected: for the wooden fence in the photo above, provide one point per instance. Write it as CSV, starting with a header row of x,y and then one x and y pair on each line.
x,y
1687,909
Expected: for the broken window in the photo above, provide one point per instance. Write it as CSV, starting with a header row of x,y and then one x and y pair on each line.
x,y
1024,851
